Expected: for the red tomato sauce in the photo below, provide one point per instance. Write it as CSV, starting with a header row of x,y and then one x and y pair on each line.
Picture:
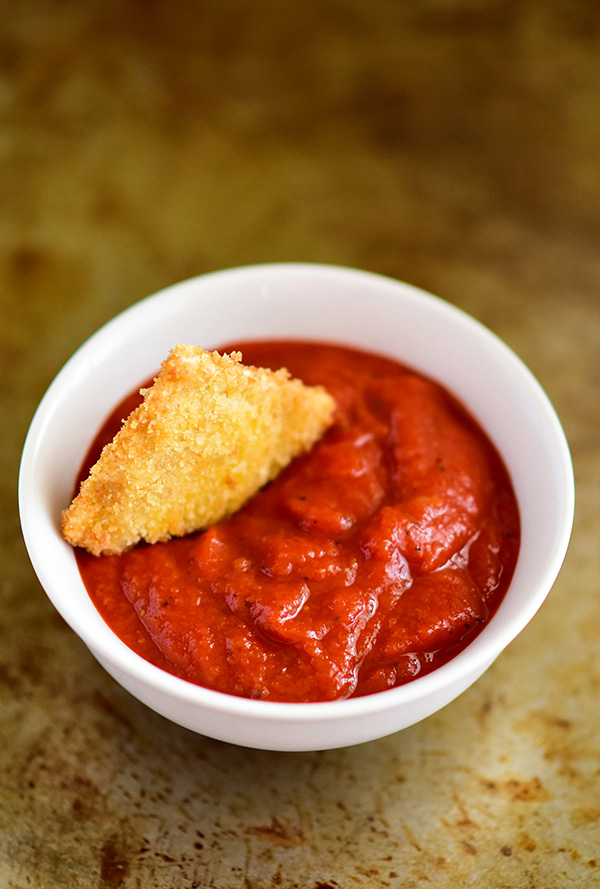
x,y
368,562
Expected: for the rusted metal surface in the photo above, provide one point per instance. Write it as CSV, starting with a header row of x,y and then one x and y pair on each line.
x,y
450,144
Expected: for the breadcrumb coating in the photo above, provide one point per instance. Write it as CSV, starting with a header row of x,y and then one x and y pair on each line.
x,y
208,435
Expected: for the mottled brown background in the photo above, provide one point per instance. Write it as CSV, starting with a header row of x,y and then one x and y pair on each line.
x,y
454,145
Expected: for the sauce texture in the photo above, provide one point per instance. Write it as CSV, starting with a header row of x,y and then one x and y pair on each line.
x,y
369,561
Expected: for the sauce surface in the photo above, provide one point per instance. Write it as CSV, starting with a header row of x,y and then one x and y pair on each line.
x,y
369,561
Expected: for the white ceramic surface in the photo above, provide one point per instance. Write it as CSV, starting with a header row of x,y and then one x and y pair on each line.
x,y
304,302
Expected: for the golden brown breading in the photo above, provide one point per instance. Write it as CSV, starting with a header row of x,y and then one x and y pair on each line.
x,y
209,433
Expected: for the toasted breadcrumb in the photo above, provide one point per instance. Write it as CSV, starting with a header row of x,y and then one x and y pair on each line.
x,y
209,433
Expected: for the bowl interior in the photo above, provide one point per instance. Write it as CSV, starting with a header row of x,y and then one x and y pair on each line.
x,y
302,302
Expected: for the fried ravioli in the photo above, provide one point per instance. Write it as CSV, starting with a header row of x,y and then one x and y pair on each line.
x,y
208,435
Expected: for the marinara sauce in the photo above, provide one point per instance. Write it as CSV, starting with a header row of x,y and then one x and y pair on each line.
x,y
369,561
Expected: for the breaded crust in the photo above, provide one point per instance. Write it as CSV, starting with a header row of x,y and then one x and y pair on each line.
x,y
209,433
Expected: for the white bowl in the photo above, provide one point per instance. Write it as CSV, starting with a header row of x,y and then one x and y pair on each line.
x,y
303,302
